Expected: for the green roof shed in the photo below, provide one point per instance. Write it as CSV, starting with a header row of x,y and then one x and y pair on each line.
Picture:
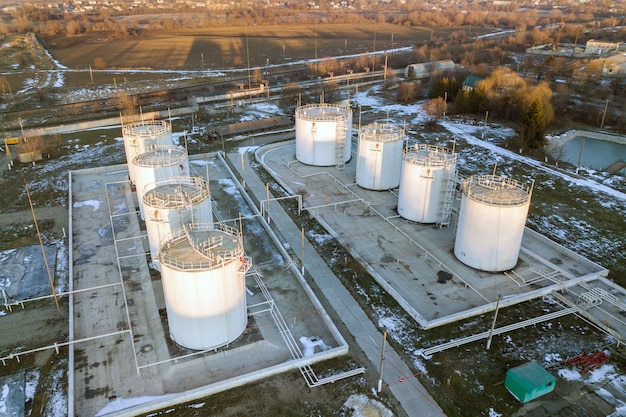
x,y
529,381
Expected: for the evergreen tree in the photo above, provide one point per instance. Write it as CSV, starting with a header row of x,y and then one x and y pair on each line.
x,y
443,86
533,126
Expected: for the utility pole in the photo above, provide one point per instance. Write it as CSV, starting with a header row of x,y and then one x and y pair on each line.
x,y
243,167
43,251
302,244
267,198
495,316
485,124
248,58
606,106
382,361
580,154
385,72
316,63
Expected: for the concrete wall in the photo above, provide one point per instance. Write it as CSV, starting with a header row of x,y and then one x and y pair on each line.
x,y
112,121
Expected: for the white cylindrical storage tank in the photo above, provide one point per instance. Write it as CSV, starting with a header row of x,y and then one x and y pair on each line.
x,y
323,134
158,163
170,203
427,175
142,135
203,273
378,156
491,222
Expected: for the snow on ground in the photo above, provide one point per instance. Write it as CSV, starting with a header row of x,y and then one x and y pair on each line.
x,y
362,406
319,238
494,413
57,404
461,131
4,398
246,149
119,404
310,343
31,380
93,203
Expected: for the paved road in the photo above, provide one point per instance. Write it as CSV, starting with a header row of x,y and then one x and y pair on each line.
x,y
405,387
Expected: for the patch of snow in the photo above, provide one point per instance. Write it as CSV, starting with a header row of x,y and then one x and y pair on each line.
x,y
420,353
245,149
30,384
229,186
362,406
119,403
619,412
310,343
390,323
494,413
320,239
570,375
57,406
603,373
93,203
552,358
4,398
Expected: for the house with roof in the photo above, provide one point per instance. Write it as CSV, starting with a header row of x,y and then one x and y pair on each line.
x,y
470,83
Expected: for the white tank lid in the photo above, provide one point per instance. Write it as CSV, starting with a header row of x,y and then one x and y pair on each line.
x,y
201,246
429,156
176,192
496,190
381,132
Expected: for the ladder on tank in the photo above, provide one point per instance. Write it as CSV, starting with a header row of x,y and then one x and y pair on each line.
x,y
444,211
340,143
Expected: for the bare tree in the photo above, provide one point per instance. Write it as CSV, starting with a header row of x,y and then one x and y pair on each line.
x,y
30,149
406,92
99,63
289,95
435,108
127,105
330,89
73,28
328,67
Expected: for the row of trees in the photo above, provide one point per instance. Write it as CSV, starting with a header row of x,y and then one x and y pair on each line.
x,y
410,13
504,95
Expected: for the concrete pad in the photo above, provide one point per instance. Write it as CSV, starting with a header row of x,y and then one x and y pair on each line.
x,y
406,257
123,348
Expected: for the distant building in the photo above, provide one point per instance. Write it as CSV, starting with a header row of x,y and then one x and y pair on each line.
x,y
427,69
599,47
614,65
470,83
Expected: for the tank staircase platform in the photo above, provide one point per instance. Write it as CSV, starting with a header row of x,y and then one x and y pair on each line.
x,y
269,306
341,128
501,330
444,211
